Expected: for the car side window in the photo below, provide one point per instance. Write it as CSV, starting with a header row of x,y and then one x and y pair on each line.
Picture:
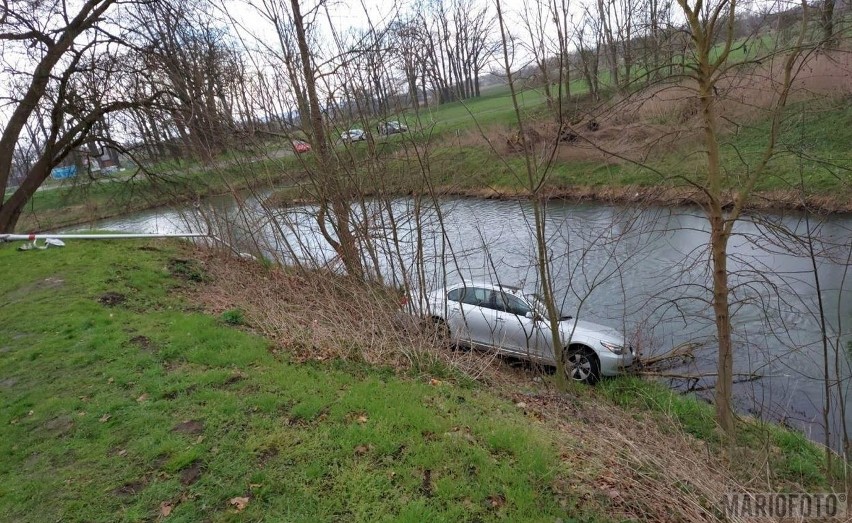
x,y
476,296
456,294
512,304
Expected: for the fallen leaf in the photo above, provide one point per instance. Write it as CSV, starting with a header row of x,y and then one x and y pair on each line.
x,y
434,382
122,452
253,486
361,419
110,380
166,508
521,405
81,413
239,503
30,413
199,439
104,418
360,450
142,398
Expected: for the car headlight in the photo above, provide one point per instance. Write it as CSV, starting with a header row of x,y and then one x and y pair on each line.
x,y
612,347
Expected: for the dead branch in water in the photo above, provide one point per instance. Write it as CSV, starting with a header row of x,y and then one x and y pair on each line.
x,y
658,365
693,379
678,355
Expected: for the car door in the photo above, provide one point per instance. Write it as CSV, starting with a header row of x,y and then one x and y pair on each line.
x,y
477,314
455,318
518,333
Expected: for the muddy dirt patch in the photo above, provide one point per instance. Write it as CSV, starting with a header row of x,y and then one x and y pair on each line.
x,y
191,474
266,455
131,488
59,424
143,343
191,427
111,299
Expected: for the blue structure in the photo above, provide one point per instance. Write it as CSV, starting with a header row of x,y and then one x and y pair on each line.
x,y
63,173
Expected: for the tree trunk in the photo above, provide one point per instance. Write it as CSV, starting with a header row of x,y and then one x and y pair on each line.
x,y
347,247
719,256
828,23
725,363
12,208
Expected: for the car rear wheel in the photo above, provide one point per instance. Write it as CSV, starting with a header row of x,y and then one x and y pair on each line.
x,y
581,365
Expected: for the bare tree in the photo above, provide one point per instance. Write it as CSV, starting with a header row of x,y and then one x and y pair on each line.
x,y
188,54
588,38
707,24
74,79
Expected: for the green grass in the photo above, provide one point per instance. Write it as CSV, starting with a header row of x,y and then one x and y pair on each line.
x,y
118,396
813,147
96,391
811,150
788,455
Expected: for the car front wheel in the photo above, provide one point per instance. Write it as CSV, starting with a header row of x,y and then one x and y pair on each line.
x,y
581,365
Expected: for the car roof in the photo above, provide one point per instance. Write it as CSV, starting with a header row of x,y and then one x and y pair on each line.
x,y
486,285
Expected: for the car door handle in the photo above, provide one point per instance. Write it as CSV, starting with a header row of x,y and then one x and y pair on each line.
x,y
454,309
500,319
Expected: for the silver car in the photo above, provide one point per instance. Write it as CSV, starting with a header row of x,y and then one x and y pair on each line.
x,y
508,321
353,135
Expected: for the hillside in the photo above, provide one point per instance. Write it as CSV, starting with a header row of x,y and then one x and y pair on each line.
x,y
649,140
123,400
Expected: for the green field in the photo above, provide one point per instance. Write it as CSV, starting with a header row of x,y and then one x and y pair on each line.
x,y
114,406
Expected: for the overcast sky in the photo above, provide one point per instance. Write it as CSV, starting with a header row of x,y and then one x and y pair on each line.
x,y
346,15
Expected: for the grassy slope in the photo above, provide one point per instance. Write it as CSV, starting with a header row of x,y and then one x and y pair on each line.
x,y
109,412
93,398
819,130
811,150
792,459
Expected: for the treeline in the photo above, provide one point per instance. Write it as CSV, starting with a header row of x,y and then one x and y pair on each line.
x,y
168,80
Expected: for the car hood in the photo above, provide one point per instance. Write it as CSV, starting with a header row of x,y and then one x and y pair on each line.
x,y
591,330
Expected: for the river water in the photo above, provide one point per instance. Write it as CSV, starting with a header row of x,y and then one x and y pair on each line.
x,y
644,270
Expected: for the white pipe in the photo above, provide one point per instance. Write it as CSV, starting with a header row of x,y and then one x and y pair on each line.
x,y
33,237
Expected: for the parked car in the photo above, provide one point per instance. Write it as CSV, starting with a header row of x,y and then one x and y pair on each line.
x,y
353,135
301,146
506,320
388,128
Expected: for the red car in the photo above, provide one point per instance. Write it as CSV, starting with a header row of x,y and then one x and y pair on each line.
x,y
301,147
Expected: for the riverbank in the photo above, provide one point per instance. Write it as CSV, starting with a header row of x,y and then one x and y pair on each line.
x,y
162,381
80,201
772,201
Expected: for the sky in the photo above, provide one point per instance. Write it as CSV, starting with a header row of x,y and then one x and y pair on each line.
x,y
349,15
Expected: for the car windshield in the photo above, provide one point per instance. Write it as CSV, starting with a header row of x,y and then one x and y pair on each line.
x,y
536,301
